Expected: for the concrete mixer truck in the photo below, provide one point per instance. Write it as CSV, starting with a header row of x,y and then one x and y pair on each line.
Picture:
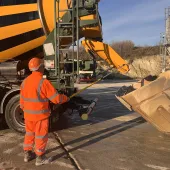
x,y
47,29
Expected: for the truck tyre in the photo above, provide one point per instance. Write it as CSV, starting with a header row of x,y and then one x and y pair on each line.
x,y
14,116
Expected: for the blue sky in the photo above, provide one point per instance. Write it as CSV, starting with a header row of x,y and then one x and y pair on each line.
x,y
141,21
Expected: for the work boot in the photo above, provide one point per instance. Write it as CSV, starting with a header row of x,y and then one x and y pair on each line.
x,y
28,156
42,160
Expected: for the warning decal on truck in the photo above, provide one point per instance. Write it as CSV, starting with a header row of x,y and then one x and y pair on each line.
x,y
49,49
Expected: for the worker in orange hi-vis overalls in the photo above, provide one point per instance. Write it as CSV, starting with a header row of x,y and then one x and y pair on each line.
x,y
36,92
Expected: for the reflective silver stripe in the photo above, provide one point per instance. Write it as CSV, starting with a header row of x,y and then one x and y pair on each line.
x,y
61,99
41,137
33,100
36,111
39,99
39,89
40,150
27,145
53,96
30,133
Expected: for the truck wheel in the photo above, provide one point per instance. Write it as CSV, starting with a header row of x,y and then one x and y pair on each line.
x,y
14,115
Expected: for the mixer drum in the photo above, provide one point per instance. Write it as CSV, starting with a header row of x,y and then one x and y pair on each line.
x,y
24,25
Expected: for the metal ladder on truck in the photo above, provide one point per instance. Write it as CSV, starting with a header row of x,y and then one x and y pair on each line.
x,y
65,29
67,75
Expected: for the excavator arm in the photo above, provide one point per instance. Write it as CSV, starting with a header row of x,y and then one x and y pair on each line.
x,y
150,97
105,52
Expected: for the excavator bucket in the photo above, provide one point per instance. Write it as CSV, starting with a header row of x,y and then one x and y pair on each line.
x,y
152,100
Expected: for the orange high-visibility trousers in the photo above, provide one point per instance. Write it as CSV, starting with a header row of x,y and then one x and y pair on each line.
x,y
36,132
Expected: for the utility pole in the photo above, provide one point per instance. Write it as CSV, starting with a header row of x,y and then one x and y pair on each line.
x,y
165,40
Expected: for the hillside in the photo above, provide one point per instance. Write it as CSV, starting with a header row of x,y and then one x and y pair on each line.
x,y
143,61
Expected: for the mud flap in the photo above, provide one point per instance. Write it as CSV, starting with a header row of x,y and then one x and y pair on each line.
x,y
152,101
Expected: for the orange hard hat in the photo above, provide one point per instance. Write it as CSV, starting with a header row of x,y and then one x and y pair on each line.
x,y
35,63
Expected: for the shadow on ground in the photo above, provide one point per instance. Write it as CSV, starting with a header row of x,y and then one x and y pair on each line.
x,y
114,81
98,136
108,107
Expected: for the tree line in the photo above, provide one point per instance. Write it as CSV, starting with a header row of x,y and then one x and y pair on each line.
x,y
126,49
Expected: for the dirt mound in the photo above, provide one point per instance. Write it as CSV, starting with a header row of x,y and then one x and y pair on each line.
x,y
144,66
139,67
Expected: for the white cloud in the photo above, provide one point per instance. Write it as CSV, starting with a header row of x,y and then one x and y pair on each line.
x,y
143,16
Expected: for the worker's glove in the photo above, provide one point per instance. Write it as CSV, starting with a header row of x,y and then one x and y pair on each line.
x,y
68,99
55,106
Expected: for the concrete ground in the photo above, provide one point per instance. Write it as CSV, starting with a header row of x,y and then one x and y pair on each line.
x,y
112,139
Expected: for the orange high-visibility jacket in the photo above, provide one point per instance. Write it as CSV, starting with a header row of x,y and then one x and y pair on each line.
x,y
35,94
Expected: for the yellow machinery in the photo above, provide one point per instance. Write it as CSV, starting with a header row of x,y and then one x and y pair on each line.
x,y
26,24
47,29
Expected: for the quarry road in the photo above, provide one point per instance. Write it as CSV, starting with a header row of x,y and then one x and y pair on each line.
x,y
112,139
